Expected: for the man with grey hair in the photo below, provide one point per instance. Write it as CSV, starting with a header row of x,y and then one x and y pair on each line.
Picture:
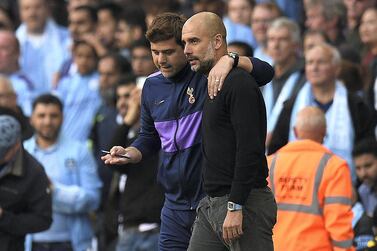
x,y
283,44
25,199
348,117
329,17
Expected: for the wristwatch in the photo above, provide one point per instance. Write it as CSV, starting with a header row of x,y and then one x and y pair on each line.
x,y
235,57
233,206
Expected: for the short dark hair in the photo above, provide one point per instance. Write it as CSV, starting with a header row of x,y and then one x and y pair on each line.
x,y
126,79
77,43
166,26
113,8
48,99
90,10
121,63
135,17
365,146
249,52
140,43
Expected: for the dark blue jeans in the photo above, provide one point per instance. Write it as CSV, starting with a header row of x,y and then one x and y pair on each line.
x,y
176,226
259,217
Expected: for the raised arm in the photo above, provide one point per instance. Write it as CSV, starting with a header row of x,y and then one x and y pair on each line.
x,y
260,70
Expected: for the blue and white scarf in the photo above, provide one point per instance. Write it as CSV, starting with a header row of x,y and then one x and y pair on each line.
x,y
340,132
273,109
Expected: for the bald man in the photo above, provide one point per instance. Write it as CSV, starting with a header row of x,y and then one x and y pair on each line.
x,y
313,190
239,210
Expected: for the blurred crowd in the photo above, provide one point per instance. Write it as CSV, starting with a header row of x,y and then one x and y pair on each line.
x,y
72,73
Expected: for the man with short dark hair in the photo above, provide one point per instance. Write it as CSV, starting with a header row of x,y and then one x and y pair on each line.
x,y
73,173
365,158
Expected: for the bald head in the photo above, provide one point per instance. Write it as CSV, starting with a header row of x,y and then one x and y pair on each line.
x,y
204,38
208,22
310,124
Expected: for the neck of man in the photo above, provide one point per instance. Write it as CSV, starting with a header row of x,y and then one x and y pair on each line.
x,y
325,92
218,54
37,31
283,67
45,143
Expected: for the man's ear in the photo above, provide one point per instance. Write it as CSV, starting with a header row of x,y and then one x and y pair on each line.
x,y
295,132
218,41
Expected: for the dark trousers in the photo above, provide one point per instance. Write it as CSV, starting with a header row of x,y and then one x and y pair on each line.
x,y
52,246
176,226
259,217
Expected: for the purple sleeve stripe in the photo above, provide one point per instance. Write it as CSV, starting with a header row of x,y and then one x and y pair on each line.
x,y
187,134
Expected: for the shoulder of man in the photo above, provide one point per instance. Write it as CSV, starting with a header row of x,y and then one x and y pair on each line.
x,y
240,76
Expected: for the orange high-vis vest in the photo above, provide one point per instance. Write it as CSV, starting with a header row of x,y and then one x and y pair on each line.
x,y
313,189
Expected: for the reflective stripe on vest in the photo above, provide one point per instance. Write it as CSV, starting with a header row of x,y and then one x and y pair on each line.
x,y
338,200
314,208
342,244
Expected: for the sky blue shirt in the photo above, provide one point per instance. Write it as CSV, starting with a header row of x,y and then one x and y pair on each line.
x,y
239,32
25,90
42,57
81,99
73,172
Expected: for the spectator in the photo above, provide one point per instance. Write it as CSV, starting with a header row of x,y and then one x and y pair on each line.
x,y
41,40
368,35
283,43
6,21
9,66
73,174
313,38
365,157
73,4
110,68
137,193
82,24
329,17
108,14
237,22
82,20
8,99
25,198
362,225
262,16
355,9
131,27
241,48
348,118
80,93
141,61
239,11
313,190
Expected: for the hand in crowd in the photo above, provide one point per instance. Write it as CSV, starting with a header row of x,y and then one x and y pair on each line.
x,y
94,41
133,112
232,227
